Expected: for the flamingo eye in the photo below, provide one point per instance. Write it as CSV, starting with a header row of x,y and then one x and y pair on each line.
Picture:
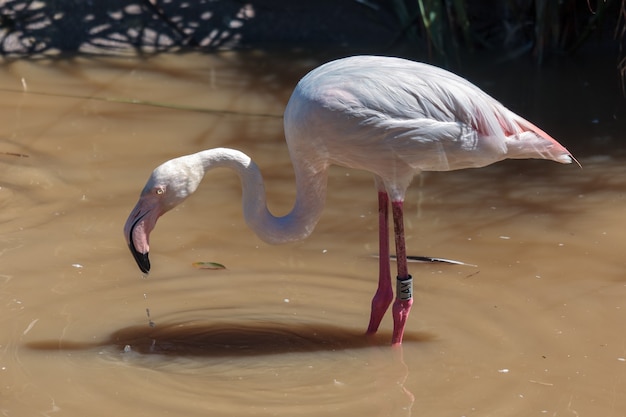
x,y
160,190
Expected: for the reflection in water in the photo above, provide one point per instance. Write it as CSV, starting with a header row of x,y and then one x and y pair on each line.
x,y
534,329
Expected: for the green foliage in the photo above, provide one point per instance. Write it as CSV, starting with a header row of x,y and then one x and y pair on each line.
x,y
514,27
441,22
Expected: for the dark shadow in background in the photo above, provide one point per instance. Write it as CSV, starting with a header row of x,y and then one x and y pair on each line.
x,y
443,30
35,28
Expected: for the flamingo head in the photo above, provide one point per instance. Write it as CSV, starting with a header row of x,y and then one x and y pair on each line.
x,y
167,187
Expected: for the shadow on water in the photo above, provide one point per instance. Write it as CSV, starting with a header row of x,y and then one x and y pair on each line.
x,y
199,339
530,186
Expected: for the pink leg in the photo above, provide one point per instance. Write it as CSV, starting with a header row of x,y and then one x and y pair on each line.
x,y
384,293
404,291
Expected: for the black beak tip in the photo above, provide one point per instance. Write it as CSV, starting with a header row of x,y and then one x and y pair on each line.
x,y
142,259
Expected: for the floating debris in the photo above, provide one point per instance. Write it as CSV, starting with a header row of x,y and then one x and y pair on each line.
x,y
429,259
208,265
19,155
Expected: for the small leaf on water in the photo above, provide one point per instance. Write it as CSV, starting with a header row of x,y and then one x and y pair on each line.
x,y
208,265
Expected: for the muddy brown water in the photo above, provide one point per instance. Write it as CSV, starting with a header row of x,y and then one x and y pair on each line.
x,y
535,328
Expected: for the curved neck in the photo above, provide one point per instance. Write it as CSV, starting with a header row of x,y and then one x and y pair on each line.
x,y
298,223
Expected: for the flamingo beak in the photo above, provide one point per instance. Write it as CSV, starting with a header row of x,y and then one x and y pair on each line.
x,y
137,230
141,258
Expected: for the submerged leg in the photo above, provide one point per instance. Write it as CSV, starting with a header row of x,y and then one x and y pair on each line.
x,y
404,291
384,293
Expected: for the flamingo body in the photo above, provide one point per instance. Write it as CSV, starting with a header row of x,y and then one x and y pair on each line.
x,y
392,117
396,118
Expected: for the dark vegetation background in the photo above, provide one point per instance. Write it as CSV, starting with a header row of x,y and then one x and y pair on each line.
x,y
444,30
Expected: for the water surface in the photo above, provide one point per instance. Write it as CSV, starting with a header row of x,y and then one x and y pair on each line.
x,y
535,328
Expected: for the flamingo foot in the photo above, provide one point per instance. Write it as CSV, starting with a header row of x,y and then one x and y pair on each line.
x,y
380,303
401,308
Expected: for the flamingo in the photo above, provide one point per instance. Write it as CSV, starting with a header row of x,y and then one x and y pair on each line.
x,y
392,117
